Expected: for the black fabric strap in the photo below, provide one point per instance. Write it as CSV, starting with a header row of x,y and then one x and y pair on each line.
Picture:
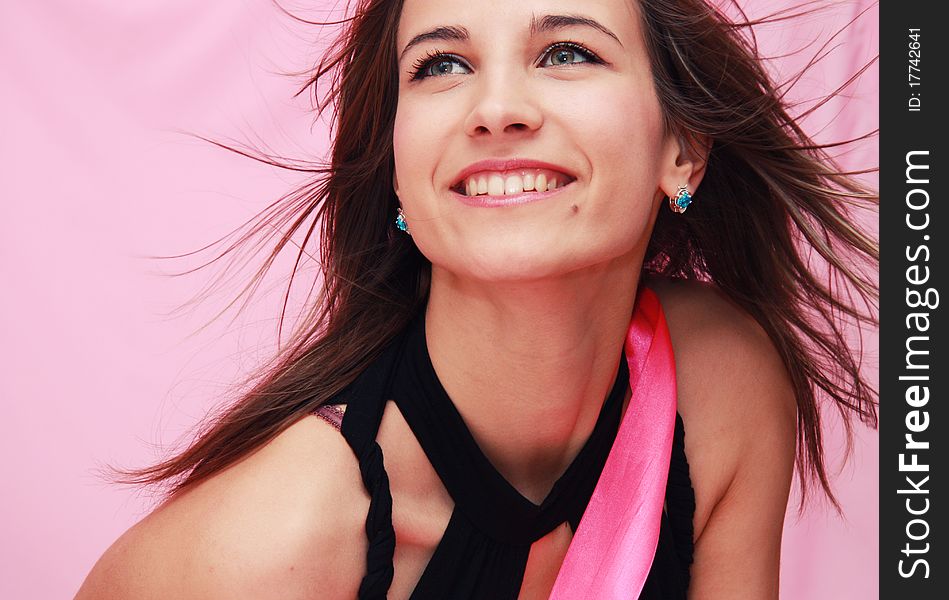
x,y
365,400
680,500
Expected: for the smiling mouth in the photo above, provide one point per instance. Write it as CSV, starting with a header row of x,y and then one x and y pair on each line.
x,y
506,183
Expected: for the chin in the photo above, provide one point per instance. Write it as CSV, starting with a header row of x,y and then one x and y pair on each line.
x,y
505,265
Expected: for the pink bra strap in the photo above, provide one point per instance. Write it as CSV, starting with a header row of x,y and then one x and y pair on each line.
x,y
332,414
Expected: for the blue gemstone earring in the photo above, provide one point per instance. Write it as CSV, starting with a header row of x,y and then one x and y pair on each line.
x,y
400,222
681,200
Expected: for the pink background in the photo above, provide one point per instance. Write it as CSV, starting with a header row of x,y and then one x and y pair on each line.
x,y
95,179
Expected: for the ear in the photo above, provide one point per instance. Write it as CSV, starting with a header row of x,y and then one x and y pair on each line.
x,y
395,182
685,162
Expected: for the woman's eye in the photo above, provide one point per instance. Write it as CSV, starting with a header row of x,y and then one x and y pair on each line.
x,y
437,66
566,54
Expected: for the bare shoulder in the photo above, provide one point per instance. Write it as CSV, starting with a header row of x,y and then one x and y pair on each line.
x,y
286,522
740,417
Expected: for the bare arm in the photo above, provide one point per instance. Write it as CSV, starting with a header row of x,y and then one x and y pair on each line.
x,y
737,553
740,420
285,523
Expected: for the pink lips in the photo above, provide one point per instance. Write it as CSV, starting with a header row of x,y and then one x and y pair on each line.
x,y
502,165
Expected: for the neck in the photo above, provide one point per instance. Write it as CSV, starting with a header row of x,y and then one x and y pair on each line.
x,y
529,364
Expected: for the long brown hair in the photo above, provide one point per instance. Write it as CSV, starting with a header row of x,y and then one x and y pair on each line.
x,y
771,199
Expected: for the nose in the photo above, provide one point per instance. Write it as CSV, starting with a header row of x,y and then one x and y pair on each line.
x,y
503,105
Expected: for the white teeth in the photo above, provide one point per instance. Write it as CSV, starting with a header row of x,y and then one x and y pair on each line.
x,y
514,184
540,183
495,185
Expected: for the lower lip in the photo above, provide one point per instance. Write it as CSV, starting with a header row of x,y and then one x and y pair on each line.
x,y
508,199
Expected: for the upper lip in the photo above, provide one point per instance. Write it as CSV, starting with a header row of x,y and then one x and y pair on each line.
x,y
508,164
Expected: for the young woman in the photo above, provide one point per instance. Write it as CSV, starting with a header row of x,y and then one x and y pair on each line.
x,y
582,294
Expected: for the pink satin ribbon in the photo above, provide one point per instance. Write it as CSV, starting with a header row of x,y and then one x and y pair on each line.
x,y
614,546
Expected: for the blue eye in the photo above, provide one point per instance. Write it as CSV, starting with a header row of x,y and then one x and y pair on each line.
x,y
438,64
567,53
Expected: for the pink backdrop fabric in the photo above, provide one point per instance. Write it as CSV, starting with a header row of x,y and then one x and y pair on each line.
x,y
95,178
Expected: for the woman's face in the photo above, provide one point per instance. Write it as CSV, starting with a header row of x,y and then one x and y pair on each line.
x,y
502,96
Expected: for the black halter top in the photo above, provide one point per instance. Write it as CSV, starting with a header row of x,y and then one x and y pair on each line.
x,y
484,549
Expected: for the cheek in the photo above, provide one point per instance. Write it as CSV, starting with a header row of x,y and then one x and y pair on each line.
x,y
405,145
623,128
624,142
419,139
417,143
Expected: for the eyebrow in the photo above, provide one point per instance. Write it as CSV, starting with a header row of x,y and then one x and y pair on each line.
x,y
443,33
546,23
554,22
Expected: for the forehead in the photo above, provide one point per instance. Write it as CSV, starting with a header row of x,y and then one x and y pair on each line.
x,y
485,18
